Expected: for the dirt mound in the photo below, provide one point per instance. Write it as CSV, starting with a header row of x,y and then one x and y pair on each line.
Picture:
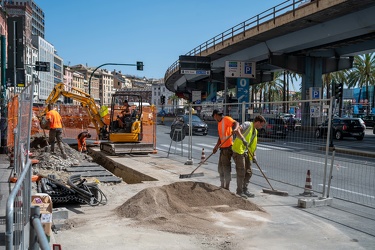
x,y
187,207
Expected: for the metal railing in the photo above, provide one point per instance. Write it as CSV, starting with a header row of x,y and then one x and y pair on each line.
x,y
229,34
22,228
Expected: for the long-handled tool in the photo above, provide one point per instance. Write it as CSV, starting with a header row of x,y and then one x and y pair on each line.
x,y
272,190
183,176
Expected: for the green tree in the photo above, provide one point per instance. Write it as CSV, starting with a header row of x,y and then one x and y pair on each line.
x,y
363,74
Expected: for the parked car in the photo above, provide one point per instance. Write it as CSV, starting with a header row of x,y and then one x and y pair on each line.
x,y
207,116
199,126
369,120
343,127
274,127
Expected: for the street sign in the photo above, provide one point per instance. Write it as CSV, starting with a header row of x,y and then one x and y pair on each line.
x,y
195,72
315,93
237,69
314,111
232,69
248,70
42,66
243,89
196,96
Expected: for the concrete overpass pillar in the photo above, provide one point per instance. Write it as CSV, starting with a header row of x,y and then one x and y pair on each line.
x,y
311,78
211,90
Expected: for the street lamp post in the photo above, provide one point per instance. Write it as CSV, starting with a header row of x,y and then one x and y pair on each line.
x,y
138,64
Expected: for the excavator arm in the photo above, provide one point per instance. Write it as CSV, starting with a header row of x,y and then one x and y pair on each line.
x,y
86,101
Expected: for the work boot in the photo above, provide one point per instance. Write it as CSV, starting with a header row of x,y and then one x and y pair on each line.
x,y
242,195
248,194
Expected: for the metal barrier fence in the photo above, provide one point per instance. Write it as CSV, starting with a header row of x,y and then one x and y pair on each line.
x,y
287,152
18,227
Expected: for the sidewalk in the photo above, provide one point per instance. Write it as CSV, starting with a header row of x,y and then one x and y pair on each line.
x,y
5,188
285,227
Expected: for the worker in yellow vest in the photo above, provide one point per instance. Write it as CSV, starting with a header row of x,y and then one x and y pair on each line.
x,y
244,147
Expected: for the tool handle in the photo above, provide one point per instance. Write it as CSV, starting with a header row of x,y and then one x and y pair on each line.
x,y
256,163
200,164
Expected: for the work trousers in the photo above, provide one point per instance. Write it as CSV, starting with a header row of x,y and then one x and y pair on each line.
x,y
243,171
56,135
224,167
82,145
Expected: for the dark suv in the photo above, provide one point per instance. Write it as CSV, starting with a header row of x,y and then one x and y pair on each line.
x,y
343,127
276,127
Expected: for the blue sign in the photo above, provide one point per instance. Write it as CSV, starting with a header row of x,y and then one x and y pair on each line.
x,y
315,93
248,69
243,89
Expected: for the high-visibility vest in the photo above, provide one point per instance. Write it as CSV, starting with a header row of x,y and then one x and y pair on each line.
x,y
250,136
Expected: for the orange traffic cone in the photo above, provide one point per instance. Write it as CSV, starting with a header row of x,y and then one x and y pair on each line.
x,y
308,186
203,157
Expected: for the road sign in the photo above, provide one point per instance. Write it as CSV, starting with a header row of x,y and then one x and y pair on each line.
x,y
195,72
315,111
232,69
196,96
248,70
237,69
243,89
315,93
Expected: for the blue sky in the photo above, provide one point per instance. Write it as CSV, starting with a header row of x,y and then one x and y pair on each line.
x,y
156,32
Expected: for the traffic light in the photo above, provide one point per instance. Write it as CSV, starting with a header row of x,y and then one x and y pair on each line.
x,y
139,65
338,90
162,99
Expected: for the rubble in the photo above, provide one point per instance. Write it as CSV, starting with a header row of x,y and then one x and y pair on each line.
x,y
53,163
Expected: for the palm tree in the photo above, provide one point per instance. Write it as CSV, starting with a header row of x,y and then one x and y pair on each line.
x,y
275,87
363,74
174,99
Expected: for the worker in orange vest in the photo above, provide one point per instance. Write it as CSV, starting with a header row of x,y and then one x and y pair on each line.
x,y
81,138
55,132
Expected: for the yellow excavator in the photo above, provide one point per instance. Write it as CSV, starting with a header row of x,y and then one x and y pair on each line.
x,y
123,135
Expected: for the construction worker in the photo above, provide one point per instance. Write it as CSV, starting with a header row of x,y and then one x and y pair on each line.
x,y
244,147
55,132
225,127
81,139
125,113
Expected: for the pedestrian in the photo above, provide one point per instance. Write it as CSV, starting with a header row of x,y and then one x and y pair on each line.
x,y
244,147
225,127
292,123
81,139
55,132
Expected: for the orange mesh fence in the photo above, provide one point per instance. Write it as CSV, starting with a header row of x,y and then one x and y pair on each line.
x,y
13,105
76,119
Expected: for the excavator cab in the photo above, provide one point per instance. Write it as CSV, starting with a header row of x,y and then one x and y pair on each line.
x,y
125,121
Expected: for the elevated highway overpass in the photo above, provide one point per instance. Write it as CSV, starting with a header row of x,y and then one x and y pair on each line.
x,y
311,39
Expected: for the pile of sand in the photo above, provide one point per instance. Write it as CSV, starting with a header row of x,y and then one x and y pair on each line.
x,y
191,207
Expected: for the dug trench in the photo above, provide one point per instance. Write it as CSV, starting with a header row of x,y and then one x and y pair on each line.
x,y
173,206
